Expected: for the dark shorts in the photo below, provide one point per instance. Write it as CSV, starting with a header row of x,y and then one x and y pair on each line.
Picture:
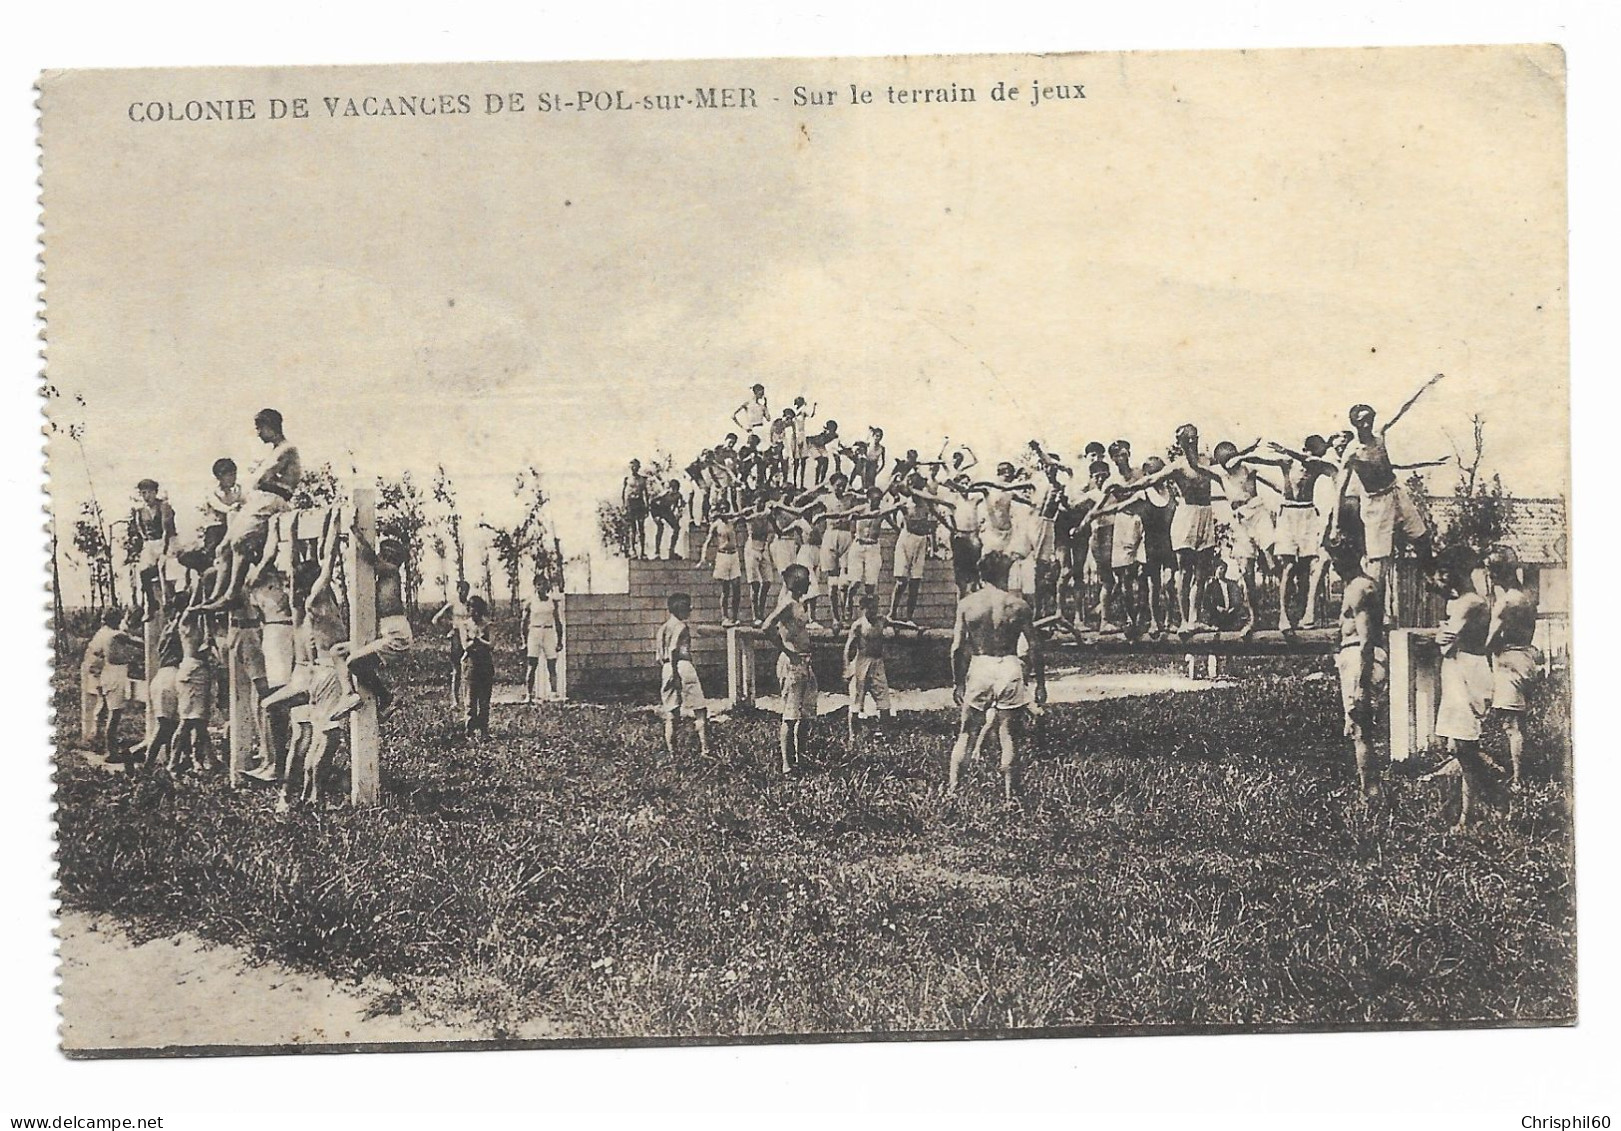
x,y
965,559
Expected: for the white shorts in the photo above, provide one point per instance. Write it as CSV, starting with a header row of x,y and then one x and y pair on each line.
x,y
165,693
836,556
1383,514
868,677
326,693
1126,546
541,642
1356,685
992,540
810,557
783,554
151,554
253,519
1514,670
995,682
1253,529
756,562
276,644
1300,531
194,685
1466,696
866,562
1193,527
726,566
109,689
911,555
393,636
680,691
1022,575
799,690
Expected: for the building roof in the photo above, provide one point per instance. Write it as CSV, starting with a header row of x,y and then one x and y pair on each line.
x,y
1536,528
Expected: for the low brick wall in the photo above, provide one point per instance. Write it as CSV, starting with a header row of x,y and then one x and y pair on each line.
x,y
610,635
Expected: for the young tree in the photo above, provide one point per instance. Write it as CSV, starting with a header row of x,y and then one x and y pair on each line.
x,y
402,514
526,538
449,520
91,540
1481,512
318,487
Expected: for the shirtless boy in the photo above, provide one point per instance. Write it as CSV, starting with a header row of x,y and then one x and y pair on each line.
x,y
269,492
864,664
794,672
680,692
154,518
1193,526
1516,664
1254,531
1386,507
633,492
1466,677
667,509
799,449
1362,632
985,661
327,690
822,448
919,520
753,415
866,557
728,572
998,497
1301,526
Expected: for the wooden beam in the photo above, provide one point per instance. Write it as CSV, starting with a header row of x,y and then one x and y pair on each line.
x,y
364,770
1306,642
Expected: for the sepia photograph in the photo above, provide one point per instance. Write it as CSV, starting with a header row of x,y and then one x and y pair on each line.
x,y
813,550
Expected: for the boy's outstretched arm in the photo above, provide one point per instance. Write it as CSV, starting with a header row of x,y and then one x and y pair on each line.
x,y
1411,401
1422,464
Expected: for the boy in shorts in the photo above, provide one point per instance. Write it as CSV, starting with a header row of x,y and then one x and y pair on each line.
x,y
1358,662
799,451
989,676
478,667
1466,676
104,686
633,494
667,509
1516,663
864,664
543,639
728,572
680,691
794,671
269,492
221,505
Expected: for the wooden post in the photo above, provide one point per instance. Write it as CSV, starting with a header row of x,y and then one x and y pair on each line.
x,y
152,630
242,707
1415,692
364,780
739,668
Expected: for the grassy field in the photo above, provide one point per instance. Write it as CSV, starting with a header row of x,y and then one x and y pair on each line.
x,y
1182,859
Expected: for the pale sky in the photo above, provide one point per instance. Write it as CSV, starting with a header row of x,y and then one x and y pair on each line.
x,y
1250,241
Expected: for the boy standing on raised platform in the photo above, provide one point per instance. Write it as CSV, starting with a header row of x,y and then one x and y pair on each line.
x,y
680,691
723,536
794,671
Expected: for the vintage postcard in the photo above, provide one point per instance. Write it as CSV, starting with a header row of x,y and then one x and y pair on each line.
x,y
809,549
